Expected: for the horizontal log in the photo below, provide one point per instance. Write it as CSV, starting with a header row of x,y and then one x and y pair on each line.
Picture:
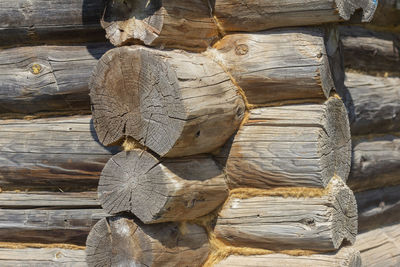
x,y
375,163
119,241
345,257
380,247
161,190
378,207
374,105
172,102
280,65
50,154
387,14
47,226
370,51
25,257
47,78
236,15
293,145
319,222
179,24
22,21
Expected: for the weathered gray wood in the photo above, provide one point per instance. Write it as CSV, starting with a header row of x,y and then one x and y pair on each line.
x,y
320,222
375,163
279,65
375,104
47,226
47,78
293,145
164,190
52,154
178,24
174,103
40,257
345,257
371,51
387,14
380,247
119,241
378,207
53,200
251,15
43,21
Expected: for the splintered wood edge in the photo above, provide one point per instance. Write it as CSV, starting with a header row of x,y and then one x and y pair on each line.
x,y
347,8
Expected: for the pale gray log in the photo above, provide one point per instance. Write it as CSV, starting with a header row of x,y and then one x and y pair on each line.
x,y
161,190
173,102
318,223
119,241
293,145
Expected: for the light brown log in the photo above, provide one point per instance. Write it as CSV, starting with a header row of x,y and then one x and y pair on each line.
x,y
250,15
47,78
375,163
42,21
28,257
119,241
378,207
371,51
178,24
380,247
293,145
174,103
280,65
375,104
345,257
161,190
320,222
387,14
50,154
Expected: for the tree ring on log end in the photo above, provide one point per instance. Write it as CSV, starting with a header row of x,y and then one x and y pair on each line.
x,y
135,93
98,243
347,8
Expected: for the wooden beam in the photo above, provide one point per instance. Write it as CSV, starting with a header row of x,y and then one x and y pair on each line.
x,y
172,102
318,222
50,154
292,145
56,21
161,190
116,241
47,78
375,162
344,257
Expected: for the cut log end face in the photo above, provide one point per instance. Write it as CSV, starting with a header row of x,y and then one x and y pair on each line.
x,y
347,8
134,93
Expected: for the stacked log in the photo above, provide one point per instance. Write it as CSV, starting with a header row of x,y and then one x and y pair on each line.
x,y
236,148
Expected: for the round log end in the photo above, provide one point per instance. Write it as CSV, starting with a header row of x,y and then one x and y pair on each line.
x,y
347,8
354,258
335,140
134,93
345,218
98,249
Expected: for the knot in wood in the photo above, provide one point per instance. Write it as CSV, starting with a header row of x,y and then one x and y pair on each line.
x,y
241,49
36,69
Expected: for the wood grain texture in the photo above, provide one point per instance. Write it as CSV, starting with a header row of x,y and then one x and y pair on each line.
x,y
371,51
279,65
47,78
293,145
318,223
378,207
43,21
250,15
163,190
173,102
119,241
50,154
39,257
387,14
375,163
380,247
345,257
178,24
47,226
375,104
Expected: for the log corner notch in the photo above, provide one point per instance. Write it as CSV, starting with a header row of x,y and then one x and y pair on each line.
x,y
347,8
172,102
154,190
177,24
